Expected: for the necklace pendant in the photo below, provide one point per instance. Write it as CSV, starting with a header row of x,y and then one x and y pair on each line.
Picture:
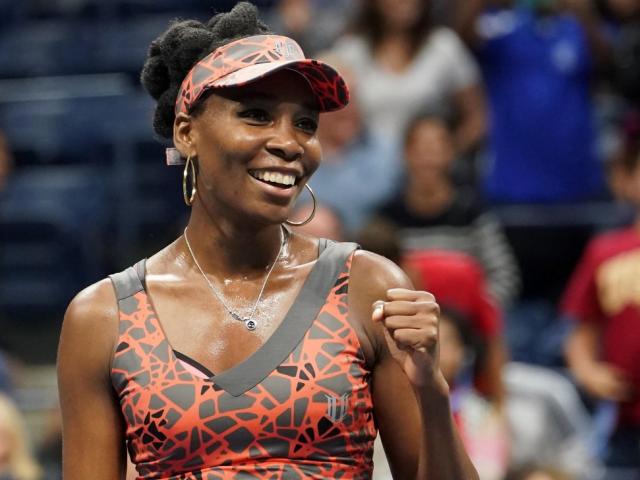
x,y
250,324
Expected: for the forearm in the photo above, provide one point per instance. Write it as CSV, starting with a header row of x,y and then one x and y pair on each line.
x,y
471,106
442,455
494,361
582,351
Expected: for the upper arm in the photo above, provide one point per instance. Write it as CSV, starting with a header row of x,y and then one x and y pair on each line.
x,y
395,405
93,438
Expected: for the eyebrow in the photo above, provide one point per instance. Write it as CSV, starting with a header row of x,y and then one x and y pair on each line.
x,y
257,95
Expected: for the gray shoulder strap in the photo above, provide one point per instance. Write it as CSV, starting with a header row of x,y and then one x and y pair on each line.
x,y
338,252
130,281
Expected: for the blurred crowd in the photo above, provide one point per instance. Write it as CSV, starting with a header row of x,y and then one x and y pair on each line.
x,y
491,148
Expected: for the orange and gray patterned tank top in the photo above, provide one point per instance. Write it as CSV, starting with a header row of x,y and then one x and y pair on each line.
x,y
300,407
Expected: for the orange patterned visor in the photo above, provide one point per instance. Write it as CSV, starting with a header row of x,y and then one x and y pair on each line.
x,y
252,58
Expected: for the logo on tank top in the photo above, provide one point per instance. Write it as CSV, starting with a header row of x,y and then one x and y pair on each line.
x,y
337,407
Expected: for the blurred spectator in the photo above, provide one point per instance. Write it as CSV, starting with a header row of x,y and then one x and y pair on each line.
x,y
625,62
603,350
431,212
314,24
549,423
326,222
458,283
16,461
403,63
538,58
482,426
359,170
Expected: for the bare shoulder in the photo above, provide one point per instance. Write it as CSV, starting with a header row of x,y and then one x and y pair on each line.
x,y
372,275
90,326
370,278
93,307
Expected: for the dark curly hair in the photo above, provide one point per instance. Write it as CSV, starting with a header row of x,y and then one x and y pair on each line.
x,y
184,44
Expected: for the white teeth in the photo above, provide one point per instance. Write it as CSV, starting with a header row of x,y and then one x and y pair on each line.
x,y
275,177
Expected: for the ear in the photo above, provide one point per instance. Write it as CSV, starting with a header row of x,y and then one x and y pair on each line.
x,y
184,135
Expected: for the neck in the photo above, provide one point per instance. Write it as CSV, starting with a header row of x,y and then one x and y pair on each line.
x,y
394,51
231,250
428,197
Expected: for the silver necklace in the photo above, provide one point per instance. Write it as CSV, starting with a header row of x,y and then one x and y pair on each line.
x,y
248,320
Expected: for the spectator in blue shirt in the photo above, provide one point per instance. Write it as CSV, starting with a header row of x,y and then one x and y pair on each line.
x,y
537,58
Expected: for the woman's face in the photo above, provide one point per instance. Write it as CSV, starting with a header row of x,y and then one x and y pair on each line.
x,y
400,14
430,150
256,147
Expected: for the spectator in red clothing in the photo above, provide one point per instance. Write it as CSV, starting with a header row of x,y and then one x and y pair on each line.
x,y
457,280
603,298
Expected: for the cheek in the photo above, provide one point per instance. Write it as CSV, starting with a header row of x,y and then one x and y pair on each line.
x,y
313,155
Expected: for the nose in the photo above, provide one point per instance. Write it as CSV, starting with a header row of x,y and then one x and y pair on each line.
x,y
284,142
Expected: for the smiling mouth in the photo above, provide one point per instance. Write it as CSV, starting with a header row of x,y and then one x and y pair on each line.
x,y
276,179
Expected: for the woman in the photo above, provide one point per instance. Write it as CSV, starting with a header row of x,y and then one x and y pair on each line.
x,y
301,362
432,212
403,64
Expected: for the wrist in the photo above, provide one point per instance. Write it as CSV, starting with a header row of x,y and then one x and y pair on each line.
x,y
433,386
583,372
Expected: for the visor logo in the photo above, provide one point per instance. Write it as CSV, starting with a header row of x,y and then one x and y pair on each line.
x,y
285,49
337,407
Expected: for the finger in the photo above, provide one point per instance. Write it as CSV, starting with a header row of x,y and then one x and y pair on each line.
x,y
378,311
409,295
414,321
400,307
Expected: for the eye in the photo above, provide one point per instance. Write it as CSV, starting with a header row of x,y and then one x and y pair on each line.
x,y
255,115
307,124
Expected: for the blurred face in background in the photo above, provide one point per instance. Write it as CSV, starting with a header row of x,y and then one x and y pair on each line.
x,y
429,151
631,185
400,14
339,128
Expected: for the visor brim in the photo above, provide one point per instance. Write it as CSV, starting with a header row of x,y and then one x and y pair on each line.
x,y
328,86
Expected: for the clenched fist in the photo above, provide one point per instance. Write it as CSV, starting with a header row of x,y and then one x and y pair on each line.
x,y
410,319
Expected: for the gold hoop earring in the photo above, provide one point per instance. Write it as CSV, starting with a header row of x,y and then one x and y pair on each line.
x,y
313,211
189,168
